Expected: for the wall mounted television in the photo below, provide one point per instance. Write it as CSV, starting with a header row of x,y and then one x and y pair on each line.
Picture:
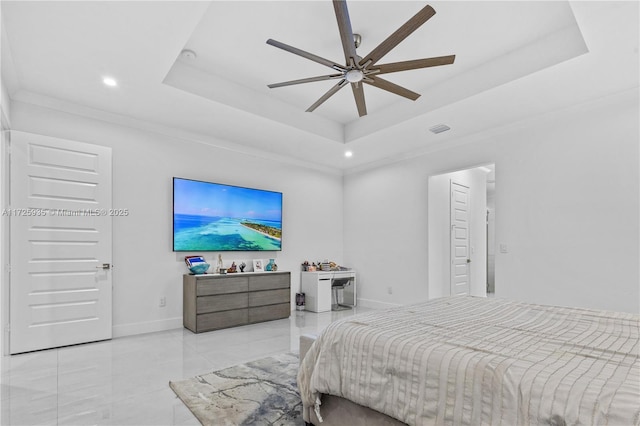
x,y
211,216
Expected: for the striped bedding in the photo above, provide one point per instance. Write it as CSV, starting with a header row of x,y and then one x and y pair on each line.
x,y
469,360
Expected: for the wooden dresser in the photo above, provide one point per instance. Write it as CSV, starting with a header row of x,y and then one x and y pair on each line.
x,y
211,302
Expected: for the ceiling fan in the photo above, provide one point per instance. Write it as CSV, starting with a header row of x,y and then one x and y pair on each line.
x,y
358,70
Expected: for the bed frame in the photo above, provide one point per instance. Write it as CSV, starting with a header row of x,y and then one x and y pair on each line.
x,y
338,411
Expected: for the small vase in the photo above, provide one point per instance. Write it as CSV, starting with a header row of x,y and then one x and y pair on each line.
x,y
270,265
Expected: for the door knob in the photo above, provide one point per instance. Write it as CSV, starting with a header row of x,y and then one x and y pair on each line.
x,y
104,266
468,260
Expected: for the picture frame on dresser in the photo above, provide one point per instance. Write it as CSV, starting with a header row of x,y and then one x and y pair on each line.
x,y
258,265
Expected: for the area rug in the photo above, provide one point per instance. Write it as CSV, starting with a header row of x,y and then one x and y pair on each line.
x,y
262,392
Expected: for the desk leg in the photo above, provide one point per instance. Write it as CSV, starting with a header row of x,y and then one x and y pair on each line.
x,y
349,294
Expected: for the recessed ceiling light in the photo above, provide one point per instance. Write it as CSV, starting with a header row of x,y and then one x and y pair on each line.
x,y
111,82
348,154
188,54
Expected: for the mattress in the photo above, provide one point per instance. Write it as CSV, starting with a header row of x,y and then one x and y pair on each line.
x,y
470,360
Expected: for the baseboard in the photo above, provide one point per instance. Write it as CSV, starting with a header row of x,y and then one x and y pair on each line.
x,y
375,304
146,327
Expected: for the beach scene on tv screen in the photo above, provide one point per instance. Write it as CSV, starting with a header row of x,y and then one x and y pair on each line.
x,y
215,217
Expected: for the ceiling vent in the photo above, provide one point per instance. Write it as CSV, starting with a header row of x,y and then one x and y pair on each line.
x,y
439,128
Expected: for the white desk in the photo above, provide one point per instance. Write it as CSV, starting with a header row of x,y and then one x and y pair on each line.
x,y
317,289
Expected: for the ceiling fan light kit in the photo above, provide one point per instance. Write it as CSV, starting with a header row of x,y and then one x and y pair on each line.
x,y
354,76
358,70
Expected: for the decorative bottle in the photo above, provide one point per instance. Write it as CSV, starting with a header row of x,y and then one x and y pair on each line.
x,y
219,267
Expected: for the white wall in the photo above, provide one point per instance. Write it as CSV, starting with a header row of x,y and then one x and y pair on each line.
x,y
386,236
143,165
438,234
567,206
5,103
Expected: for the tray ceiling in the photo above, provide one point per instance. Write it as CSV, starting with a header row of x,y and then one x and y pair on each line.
x,y
514,60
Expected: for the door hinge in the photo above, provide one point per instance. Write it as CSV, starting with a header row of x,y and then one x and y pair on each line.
x,y
8,267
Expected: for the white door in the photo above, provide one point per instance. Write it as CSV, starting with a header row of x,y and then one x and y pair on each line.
x,y
460,258
60,231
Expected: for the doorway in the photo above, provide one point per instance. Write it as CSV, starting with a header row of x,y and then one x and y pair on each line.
x,y
491,230
4,235
442,256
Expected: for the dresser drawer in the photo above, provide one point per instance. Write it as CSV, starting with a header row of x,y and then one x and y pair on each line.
x,y
224,319
223,302
211,286
269,282
271,312
269,297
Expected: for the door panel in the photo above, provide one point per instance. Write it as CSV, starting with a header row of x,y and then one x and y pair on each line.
x,y
460,268
60,238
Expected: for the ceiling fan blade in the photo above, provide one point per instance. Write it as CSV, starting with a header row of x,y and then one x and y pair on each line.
x,y
400,34
415,64
358,95
305,80
327,95
346,33
391,87
307,55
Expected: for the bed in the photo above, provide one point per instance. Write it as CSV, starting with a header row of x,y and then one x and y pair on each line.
x,y
471,360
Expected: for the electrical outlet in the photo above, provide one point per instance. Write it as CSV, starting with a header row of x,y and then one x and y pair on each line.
x,y
163,302
390,290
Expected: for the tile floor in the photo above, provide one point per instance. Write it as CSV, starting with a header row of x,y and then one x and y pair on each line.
x,y
124,381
